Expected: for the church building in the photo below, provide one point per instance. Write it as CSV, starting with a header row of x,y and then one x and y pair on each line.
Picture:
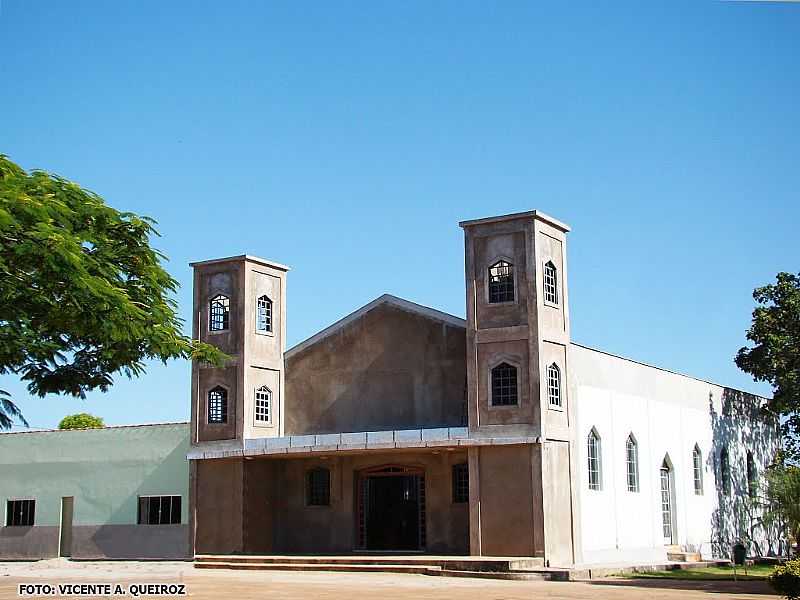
x,y
401,428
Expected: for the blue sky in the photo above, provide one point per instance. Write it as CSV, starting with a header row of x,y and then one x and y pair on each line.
x,y
348,139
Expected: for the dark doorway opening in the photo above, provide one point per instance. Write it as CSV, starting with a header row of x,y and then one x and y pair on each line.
x,y
392,509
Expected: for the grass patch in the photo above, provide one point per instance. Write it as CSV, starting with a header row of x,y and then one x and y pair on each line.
x,y
756,572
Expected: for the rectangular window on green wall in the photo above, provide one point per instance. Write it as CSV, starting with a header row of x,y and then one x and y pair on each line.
x,y
159,510
20,513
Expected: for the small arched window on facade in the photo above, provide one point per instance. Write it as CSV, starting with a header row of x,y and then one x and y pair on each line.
x,y
504,385
218,405
318,487
264,314
594,453
501,282
263,405
550,283
219,311
752,476
697,468
554,386
725,471
632,463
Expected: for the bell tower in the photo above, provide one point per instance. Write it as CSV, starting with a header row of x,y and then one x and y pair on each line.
x,y
518,338
239,307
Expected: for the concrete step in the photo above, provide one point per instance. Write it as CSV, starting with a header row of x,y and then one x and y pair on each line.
x,y
385,568
341,568
687,557
452,563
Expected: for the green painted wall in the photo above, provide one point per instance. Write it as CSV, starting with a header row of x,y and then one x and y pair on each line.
x,y
104,469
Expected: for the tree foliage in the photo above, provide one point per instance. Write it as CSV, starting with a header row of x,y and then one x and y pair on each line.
x,y
81,421
83,295
782,498
775,354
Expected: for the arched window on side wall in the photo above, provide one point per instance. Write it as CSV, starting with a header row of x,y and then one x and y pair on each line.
x,y
219,311
554,386
725,471
264,314
594,453
501,282
218,405
632,463
697,468
752,476
550,283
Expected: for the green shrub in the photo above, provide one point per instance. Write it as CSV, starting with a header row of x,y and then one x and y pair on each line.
x,y
785,579
81,421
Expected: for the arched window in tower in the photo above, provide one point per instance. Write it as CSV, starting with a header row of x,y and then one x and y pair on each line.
x,y
594,453
504,385
752,476
632,463
554,386
263,405
501,282
219,310
218,405
725,471
550,283
697,464
264,314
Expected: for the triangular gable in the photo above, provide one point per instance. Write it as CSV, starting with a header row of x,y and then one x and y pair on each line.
x,y
386,299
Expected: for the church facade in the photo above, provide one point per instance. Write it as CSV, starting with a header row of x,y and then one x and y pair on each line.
x,y
404,429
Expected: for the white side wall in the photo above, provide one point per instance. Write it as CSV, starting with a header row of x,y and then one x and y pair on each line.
x,y
668,414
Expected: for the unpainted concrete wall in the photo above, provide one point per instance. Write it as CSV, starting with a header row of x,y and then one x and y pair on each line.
x,y
390,369
277,519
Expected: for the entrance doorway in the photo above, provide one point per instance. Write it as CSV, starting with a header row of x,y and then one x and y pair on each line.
x,y
667,506
65,533
391,509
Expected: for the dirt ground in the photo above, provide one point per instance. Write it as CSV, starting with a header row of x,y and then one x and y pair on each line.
x,y
281,585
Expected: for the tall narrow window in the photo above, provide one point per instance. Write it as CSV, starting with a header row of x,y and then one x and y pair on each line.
x,y
725,471
504,385
501,282
752,476
697,463
550,283
263,404
461,483
632,463
595,460
219,311
318,487
264,314
218,405
554,385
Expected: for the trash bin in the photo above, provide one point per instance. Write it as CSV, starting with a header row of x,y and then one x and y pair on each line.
x,y
739,554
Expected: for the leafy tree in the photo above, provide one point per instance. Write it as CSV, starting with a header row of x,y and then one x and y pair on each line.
x,y
775,355
782,498
81,421
83,295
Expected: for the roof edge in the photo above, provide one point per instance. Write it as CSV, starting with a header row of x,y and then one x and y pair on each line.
x,y
532,214
389,299
670,371
241,258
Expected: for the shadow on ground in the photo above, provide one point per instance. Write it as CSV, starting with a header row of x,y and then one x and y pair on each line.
x,y
709,587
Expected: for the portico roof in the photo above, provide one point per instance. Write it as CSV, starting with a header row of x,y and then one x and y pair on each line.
x,y
353,442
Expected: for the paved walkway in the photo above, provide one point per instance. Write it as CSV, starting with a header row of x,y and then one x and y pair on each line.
x,y
352,586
